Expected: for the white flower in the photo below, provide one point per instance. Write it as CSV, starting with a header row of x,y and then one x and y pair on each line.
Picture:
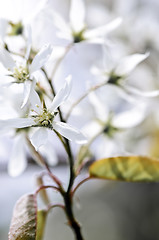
x,y
115,73
19,14
43,118
76,31
22,72
107,128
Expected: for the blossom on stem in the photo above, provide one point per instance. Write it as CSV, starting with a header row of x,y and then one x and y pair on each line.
x,y
106,128
76,31
24,13
115,73
22,72
42,118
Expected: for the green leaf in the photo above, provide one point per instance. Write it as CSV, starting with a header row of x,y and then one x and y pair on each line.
x,y
42,214
24,220
130,168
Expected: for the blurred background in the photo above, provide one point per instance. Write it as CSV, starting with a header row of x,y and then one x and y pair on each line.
x,y
106,210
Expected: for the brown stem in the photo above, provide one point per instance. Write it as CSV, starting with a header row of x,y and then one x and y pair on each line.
x,y
71,219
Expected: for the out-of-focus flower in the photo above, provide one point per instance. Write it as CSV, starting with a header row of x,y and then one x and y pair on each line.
x,y
107,128
76,30
18,15
116,72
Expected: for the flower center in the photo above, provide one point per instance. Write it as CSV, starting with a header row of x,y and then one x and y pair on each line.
x,y
21,74
114,79
16,29
78,36
44,119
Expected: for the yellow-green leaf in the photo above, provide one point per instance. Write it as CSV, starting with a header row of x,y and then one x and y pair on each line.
x,y
24,220
41,221
126,168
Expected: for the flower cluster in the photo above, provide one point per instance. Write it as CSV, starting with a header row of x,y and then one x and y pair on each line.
x,y
27,73
77,79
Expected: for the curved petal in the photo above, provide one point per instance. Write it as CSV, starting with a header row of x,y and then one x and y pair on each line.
x,y
131,118
35,102
92,129
39,6
16,123
102,30
77,15
62,95
41,58
100,109
6,59
137,92
3,28
127,64
26,92
29,41
98,40
39,138
60,23
69,132
17,161
49,153
104,147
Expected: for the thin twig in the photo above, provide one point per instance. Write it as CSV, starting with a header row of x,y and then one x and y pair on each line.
x,y
45,187
60,60
43,162
54,206
80,183
83,97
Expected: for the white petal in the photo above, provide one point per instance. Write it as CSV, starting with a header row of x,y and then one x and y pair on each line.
x,y
17,161
103,30
60,23
39,6
35,102
16,123
130,118
94,41
100,109
62,95
137,92
3,28
39,138
26,92
67,36
103,147
77,15
6,59
57,53
49,153
41,58
96,71
29,41
69,132
92,129
127,64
